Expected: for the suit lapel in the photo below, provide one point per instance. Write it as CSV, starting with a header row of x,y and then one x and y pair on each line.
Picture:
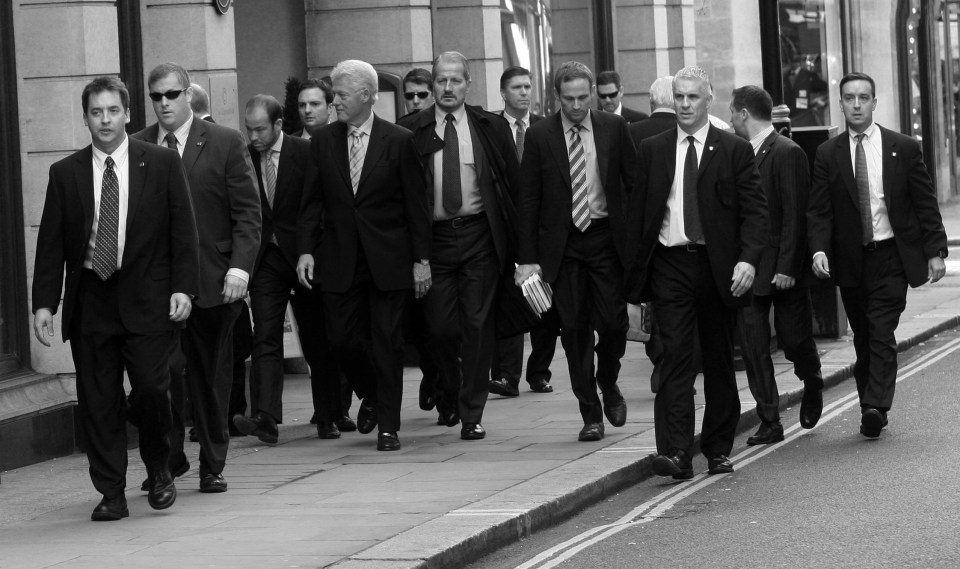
x,y
195,142
340,155
136,170
283,174
711,144
558,145
846,166
84,183
890,163
602,144
766,148
374,149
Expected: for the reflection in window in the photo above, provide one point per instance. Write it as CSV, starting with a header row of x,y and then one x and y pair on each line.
x,y
525,29
803,53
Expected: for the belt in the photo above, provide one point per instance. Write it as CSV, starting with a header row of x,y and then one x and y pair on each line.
x,y
874,245
458,222
688,248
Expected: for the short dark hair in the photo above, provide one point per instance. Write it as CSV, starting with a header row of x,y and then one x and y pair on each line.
x,y
608,77
318,84
418,76
511,72
570,70
268,103
164,69
858,76
101,84
757,102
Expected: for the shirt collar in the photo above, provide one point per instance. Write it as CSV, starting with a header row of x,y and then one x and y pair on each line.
x,y
181,133
525,118
619,110
587,122
871,132
761,136
278,144
700,135
365,128
119,154
458,115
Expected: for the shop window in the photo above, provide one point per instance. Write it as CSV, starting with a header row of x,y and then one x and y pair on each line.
x,y
525,29
811,60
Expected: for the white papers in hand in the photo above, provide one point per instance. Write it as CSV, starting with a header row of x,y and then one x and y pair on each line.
x,y
539,295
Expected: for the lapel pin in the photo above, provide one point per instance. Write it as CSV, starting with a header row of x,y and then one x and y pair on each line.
x,y
199,144
711,149
893,153
142,164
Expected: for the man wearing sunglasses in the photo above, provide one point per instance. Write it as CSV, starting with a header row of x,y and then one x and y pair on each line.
x,y
227,205
610,93
417,90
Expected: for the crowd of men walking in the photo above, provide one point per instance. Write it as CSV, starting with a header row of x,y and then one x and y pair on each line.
x,y
376,233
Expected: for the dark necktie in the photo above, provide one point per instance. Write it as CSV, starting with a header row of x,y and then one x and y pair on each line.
x,y
578,179
863,191
171,140
691,210
521,131
450,182
105,250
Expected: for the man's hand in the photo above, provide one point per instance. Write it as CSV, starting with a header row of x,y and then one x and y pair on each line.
x,y
305,270
43,325
821,266
742,278
233,289
936,268
524,272
421,280
180,307
783,282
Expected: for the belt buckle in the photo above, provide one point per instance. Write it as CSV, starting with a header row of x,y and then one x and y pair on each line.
x,y
871,246
456,222
692,247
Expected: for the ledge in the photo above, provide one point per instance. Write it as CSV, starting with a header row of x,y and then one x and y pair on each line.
x,y
35,394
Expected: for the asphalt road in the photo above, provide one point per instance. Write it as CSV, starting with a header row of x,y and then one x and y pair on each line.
x,y
824,498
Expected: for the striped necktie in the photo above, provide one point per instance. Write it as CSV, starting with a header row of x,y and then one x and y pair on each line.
x,y
356,158
863,191
108,223
578,179
521,131
270,173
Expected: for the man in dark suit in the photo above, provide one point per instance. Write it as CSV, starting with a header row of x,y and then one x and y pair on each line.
x,y
698,229
281,164
417,89
470,162
227,207
314,102
117,218
574,183
874,218
515,88
783,278
610,93
376,243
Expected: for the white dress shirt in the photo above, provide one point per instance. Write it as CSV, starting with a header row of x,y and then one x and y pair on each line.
x,y
757,141
472,203
672,232
122,170
181,133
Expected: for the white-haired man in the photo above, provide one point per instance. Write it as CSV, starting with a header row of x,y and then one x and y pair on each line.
x,y
365,177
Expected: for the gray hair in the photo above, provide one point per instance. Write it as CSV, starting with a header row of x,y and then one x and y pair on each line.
x,y
359,72
694,73
452,57
200,103
661,93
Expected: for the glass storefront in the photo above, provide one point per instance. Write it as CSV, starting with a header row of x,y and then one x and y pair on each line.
x,y
525,32
811,60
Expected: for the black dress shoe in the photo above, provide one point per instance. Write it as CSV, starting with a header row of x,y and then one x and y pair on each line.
x,y
719,464
388,441
541,386
428,399
110,509
315,418
346,424
768,433
872,421
675,463
163,493
472,432
212,484
327,431
192,435
449,417
261,425
504,387
591,432
615,408
811,407
366,418
175,472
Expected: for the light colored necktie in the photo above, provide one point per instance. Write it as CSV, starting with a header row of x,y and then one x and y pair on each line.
x,y
356,159
578,179
108,223
521,131
863,191
270,173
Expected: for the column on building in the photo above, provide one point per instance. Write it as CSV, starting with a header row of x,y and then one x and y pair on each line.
x,y
472,27
197,36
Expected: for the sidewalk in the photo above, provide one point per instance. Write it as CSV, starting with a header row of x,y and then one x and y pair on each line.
x,y
439,502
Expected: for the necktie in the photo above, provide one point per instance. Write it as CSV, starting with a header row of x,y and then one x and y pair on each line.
x,y
450,182
105,250
520,132
356,159
578,179
691,210
270,173
171,140
863,191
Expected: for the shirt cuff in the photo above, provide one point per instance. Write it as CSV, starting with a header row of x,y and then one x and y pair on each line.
x,y
818,253
239,273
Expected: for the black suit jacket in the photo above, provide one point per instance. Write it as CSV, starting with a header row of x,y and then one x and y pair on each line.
x,y
225,200
632,116
388,217
654,124
160,249
785,176
281,219
833,218
546,192
733,208
497,168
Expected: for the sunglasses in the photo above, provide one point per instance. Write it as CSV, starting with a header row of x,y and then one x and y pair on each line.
x,y
419,94
171,95
608,95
